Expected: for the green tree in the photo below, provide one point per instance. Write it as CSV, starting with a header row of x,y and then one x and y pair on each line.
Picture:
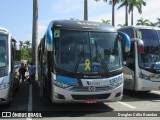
x,y
136,4
21,44
113,3
121,25
106,21
73,19
152,23
158,23
27,42
26,54
142,21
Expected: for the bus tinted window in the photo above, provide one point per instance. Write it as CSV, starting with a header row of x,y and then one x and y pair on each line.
x,y
129,32
148,34
75,50
158,31
3,50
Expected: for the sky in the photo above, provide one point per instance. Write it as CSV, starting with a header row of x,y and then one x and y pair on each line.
x,y
16,15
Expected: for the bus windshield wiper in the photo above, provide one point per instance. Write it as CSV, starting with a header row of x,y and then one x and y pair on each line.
x,y
81,53
101,59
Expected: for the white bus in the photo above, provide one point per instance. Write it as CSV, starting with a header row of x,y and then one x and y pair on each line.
x,y
142,63
7,55
81,61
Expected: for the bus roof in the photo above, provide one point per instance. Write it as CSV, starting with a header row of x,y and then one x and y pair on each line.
x,y
3,30
82,25
141,27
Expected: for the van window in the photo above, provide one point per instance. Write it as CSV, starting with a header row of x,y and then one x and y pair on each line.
x,y
128,31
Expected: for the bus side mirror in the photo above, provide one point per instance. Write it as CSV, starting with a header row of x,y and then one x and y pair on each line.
x,y
126,40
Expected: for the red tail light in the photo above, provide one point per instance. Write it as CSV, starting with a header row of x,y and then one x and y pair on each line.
x,y
141,49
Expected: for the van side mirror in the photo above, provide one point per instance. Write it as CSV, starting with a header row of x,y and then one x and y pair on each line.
x,y
126,40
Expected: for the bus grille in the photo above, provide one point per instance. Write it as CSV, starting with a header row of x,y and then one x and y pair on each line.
x,y
86,89
88,97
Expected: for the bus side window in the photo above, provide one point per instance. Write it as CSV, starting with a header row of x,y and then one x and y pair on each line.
x,y
129,58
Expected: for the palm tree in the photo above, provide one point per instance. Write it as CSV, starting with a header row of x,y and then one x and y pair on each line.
x,y
142,21
158,23
106,21
125,3
113,3
138,4
34,31
152,23
20,44
121,25
73,19
85,9
27,42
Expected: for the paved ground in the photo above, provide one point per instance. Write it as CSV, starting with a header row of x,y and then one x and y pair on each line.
x,y
28,99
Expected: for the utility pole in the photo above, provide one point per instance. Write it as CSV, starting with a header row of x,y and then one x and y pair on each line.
x,y
85,9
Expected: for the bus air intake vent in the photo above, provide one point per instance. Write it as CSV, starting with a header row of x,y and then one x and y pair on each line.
x,y
86,97
86,89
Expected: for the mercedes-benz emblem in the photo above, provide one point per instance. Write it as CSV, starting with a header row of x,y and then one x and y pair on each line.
x,y
92,88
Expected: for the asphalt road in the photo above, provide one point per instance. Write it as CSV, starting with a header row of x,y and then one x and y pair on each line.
x,y
133,103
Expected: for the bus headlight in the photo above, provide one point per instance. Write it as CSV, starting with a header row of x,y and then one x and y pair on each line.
x,y
60,84
116,84
143,76
4,86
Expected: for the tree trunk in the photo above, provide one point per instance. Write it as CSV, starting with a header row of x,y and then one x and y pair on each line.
x,y
113,15
34,34
126,16
34,30
85,10
132,17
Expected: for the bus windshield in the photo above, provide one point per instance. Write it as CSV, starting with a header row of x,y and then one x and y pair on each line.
x,y
150,59
87,52
3,50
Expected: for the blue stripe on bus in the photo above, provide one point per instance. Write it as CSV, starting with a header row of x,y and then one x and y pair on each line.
x,y
49,38
67,80
127,41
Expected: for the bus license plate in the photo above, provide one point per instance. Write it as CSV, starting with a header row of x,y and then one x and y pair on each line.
x,y
91,101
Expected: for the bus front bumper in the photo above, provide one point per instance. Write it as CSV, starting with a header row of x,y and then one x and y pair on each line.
x,y
60,95
147,85
4,95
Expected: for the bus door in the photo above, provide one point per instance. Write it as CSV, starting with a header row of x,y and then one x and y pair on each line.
x,y
129,68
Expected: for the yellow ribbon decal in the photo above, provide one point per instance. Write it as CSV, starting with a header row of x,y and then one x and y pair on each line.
x,y
87,62
139,34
